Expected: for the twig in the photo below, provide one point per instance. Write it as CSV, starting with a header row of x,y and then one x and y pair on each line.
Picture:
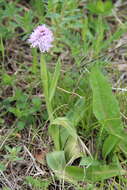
x,y
73,93
120,79
85,149
7,136
117,18
9,184
120,89
123,116
21,6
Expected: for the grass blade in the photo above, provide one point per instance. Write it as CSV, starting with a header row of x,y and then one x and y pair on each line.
x,y
119,32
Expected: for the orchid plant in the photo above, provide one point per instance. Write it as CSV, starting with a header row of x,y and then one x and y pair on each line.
x,y
42,38
68,144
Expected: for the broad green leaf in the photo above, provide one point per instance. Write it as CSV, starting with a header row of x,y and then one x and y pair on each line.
x,y
68,142
64,122
75,115
88,161
77,112
72,149
56,161
109,145
74,173
54,131
61,134
102,172
123,147
105,106
54,81
64,135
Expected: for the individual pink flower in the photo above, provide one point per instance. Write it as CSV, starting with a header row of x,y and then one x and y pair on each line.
x,y
41,37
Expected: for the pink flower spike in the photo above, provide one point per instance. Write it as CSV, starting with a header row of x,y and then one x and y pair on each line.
x,y
41,37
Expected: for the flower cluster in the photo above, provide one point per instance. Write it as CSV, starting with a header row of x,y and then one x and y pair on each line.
x,y
41,37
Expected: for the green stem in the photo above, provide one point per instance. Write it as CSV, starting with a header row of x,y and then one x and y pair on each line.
x,y
54,131
45,82
49,109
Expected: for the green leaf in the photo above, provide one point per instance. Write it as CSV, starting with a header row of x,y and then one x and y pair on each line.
x,y
37,183
92,8
7,79
105,107
56,161
77,112
72,149
54,131
123,147
68,142
54,81
20,125
102,172
109,145
2,49
64,122
75,115
100,7
117,34
108,5
37,102
2,167
99,37
74,173
88,161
